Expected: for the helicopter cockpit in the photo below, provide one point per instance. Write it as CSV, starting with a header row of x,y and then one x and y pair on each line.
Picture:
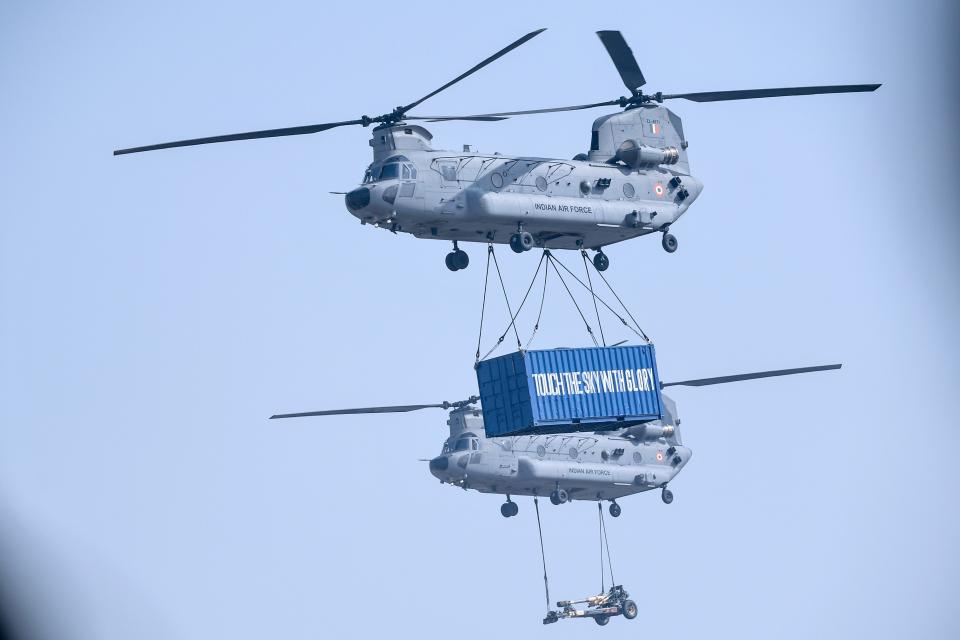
x,y
393,168
466,442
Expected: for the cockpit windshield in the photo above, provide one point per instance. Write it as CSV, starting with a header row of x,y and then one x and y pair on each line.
x,y
393,168
390,171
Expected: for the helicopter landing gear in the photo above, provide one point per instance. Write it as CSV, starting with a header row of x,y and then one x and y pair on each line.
x,y
559,496
457,259
669,242
521,241
509,508
614,509
600,260
629,609
666,495
601,620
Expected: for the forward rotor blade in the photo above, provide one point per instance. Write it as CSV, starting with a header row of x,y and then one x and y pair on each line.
x,y
577,107
483,118
403,408
250,135
623,59
476,68
703,382
340,412
749,94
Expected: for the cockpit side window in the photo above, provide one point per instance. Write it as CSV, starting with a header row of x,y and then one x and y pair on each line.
x,y
463,444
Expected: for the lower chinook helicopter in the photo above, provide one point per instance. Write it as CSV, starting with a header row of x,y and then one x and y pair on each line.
x,y
599,466
635,179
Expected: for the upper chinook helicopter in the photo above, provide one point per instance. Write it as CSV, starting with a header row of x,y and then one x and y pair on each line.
x,y
635,179
603,465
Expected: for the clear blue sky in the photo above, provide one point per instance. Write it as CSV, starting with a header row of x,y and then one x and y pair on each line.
x,y
155,309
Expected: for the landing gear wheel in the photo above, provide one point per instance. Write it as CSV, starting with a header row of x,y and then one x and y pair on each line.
x,y
558,497
509,509
669,242
451,264
521,241
601,620
666,495
629,609
614,510
601,261
460,259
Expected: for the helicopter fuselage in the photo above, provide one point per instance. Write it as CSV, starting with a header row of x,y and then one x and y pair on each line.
x,y
589,202
586,466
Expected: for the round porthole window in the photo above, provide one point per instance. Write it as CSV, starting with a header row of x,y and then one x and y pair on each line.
x,y
584,187
541,451
628,190
637,458
541,183
574,453
497,180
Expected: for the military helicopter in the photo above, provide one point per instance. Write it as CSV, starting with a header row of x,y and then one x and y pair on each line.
x,y
604,465
634,180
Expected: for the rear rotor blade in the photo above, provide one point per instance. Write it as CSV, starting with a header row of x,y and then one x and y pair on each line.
x,y
749,94
503,115
623,59
703,382
250,135
475,68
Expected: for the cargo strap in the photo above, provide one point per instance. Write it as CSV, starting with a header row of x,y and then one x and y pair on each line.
x,y
638,330
483,305
604,543
513,316
543,297
543,555
548,259
593,295
554,262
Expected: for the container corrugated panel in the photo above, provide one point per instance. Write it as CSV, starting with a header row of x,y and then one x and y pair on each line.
x,y
560,390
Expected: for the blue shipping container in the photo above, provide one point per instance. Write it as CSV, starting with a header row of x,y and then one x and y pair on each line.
x,y
561,390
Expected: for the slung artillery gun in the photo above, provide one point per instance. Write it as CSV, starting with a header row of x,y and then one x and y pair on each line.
x,y
634,180
615,602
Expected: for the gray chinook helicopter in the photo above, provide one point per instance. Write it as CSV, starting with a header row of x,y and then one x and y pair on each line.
x,y
635,179
604,465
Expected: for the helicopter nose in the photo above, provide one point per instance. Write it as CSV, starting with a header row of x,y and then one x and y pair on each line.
x,y
439,464
358,199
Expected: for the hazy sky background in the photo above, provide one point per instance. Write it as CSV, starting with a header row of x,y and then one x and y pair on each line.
x,y
155,309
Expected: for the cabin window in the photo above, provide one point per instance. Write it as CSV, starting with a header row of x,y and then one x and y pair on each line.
x,y
449,172
406,172
463,444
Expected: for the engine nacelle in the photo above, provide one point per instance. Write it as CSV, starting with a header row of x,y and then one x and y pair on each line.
x,y
635,155
648,432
